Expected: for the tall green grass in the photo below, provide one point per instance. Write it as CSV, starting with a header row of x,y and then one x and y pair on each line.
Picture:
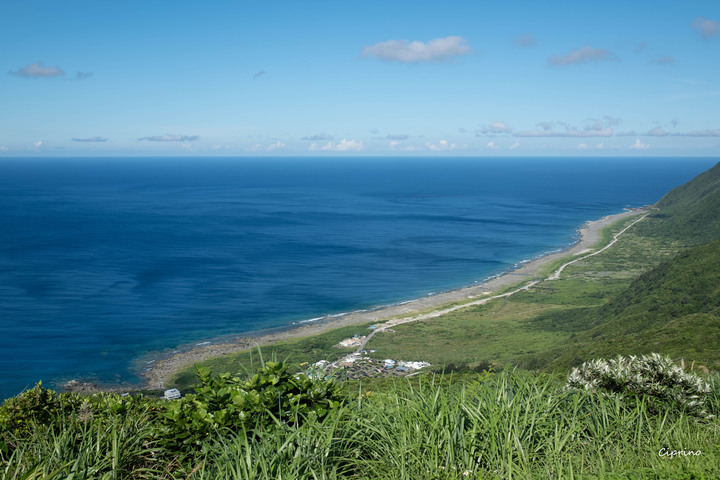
x,y
511,424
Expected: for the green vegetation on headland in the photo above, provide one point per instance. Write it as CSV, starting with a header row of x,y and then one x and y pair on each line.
x,y
636,418
655,290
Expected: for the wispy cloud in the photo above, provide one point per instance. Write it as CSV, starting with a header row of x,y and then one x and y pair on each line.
x,y
90,139
661,132
342,146
525,41
276,146
640,47
397,145
703,133
589,132
494,128
657,132
404,51
441,146
707,28
318,138
397,137
37,70
259,74
638,145
170,138
594,127
582,55
667,60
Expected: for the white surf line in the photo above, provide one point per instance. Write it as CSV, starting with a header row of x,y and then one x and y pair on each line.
x,y
437,313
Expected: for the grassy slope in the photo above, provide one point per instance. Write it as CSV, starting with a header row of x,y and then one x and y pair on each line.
x,y
673,308
690,212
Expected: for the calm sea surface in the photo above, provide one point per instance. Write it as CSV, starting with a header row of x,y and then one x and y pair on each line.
x,y
105,260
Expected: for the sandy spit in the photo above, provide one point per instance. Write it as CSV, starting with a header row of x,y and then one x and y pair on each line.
x,y
162,370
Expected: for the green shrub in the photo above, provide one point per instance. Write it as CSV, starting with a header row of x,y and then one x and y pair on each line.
x,y
653,376
224,403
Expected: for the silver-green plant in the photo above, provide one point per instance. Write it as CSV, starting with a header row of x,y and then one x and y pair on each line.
x,y
652,376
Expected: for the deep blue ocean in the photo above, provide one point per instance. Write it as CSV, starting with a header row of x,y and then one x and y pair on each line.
x,y
105,262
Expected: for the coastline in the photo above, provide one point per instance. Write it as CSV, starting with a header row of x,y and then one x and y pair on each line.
x,y
163,369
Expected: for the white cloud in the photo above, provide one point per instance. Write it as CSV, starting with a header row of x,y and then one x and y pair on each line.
x,y
38,144
441,145
3,148
514,145
582,146
638,145
494,128
707,28
36,70
343,146
582,55
276,146
396,145
491,145
168,137
437,50
600,146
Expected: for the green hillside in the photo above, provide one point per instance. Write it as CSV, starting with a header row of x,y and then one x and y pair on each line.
x,y
673,308
690,212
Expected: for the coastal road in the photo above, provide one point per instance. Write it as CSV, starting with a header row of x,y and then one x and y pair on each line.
x,y
438,313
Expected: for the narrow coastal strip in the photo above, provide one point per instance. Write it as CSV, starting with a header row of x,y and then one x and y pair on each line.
x,y
438,313
162,370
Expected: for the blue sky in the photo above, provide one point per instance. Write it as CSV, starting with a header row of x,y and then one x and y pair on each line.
x,y
359,78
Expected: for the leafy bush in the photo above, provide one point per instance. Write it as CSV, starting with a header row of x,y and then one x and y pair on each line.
x,y
272,396
36,406
653,376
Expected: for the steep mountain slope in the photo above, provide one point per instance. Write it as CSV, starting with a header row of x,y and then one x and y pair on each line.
x,y
690,212
673,309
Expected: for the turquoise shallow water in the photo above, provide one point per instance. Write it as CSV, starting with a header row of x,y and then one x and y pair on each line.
x,y
105,260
